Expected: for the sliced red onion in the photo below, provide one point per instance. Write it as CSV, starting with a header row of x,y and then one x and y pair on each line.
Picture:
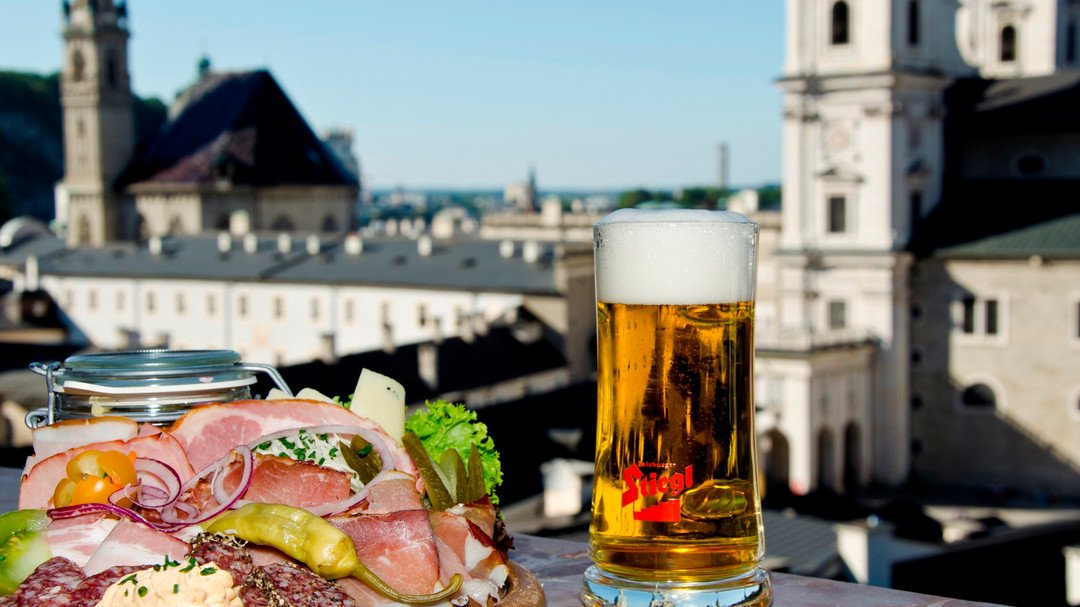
x,y
169,513
166,488
81,509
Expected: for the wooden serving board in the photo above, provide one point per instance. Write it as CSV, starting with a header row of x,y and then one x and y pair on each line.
x,y
523,589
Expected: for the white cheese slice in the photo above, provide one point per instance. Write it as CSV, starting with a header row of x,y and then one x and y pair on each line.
x,y
382,400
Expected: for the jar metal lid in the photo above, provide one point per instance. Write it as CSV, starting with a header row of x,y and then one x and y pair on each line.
x,y
144,376
150,372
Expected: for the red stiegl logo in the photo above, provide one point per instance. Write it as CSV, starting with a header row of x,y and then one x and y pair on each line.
x,y
667,486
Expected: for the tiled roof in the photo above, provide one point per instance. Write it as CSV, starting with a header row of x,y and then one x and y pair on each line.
x,y
240,128
1003,219
463,263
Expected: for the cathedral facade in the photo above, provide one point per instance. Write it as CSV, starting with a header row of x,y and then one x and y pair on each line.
x,y
865,362
234,153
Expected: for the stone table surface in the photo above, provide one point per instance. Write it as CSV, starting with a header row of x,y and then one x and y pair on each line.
x,y
559,565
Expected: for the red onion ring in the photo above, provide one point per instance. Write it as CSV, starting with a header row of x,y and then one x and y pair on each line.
x,y
153,496
81,509
169,512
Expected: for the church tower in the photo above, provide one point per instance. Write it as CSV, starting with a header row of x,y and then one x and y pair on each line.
x,y
863,158
99,129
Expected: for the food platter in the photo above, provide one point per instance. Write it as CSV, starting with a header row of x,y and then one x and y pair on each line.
x,y
360,500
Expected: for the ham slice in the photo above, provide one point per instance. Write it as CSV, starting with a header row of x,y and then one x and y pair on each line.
x,y
471,547
131,543
395,491
76,539
207,433
39,483
286,481
399,547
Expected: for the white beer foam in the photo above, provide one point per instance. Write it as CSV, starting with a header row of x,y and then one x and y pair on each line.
x,y
678,256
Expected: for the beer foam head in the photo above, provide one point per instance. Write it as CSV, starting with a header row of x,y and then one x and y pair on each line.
x,y
678,256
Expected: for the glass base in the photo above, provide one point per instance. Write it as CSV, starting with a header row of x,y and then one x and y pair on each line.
x,y
602,589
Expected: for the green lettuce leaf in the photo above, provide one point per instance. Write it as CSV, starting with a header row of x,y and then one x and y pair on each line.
x,y
444,426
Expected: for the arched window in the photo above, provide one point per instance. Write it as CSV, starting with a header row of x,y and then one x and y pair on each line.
x,y
329,224
978,396
1008,44
282,224
112,69
78,66
913,22
841,23
83,232
176,226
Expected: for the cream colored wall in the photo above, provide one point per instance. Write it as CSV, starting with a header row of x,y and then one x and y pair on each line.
x,y
1032,440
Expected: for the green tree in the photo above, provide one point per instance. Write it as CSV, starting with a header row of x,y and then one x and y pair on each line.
x,y
769,196
633,198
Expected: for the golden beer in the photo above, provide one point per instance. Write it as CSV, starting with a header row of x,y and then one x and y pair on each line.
x,y
676,506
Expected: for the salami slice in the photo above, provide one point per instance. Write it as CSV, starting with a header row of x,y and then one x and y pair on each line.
x,y
302,588
91,590
50,585
226,552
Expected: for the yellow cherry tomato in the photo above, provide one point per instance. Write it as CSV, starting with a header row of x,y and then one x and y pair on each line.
x,y
118,467
92,490
84,464
62,496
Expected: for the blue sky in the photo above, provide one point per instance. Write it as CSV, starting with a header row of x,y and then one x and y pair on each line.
x,y
608,94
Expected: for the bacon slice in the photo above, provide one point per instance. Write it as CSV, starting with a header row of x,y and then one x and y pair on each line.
x,y
131,543
39,483
471,547
67,434
399,547
76,539
207,433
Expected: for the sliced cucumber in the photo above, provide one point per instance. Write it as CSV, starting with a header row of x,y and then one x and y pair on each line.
x,y
22,546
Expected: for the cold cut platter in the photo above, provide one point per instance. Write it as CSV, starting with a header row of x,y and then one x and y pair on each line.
x,y
276,502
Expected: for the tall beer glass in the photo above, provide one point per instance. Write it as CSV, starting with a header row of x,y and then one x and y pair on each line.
x,y
676,514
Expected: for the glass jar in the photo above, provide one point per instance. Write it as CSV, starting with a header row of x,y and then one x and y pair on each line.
x,y
154,386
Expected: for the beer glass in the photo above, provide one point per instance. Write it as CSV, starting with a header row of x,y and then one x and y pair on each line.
x,y
676,510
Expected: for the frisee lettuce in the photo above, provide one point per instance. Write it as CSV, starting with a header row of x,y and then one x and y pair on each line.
x,y
445,425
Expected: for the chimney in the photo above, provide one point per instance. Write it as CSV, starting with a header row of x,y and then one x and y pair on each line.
x,y
506,249
224,242
424,246
251,243
33,274
530,252
154,245
314,245
353,244
427,364
284,243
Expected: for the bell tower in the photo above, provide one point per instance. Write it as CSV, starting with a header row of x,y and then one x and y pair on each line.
x,y
98,118
863,88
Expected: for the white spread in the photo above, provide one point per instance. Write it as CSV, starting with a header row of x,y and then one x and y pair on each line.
x,y
174,585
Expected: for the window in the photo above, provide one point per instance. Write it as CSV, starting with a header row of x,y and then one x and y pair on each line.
x,y
991,317
181,305
119,301
349,310
242,306
978,396
315,309
967,324
913,22
78,66
916,206
279,307
982,317
211,305
840,32
1008,44
422,315
837,314
1070,41
837,214
151,302
112,69
91,299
